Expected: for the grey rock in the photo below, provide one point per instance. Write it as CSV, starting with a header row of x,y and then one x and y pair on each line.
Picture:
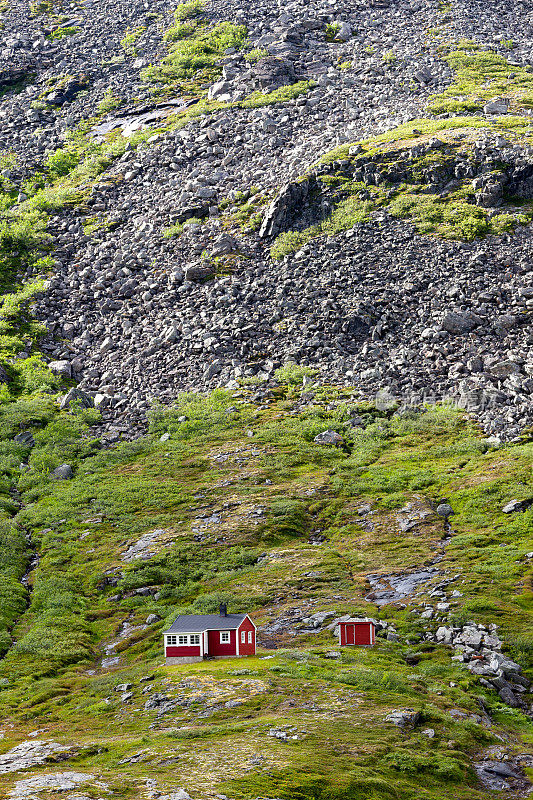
x,y
496,106
459,322
53,782
514,506
61,368
28,754
403,718
329,437
445,510
343,32
25,438
77,396
62,473
280,212
272,72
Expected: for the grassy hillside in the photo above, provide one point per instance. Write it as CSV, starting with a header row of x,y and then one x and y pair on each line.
x,y
250,510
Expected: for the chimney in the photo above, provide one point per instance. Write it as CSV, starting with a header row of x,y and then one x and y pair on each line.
x,y
223,610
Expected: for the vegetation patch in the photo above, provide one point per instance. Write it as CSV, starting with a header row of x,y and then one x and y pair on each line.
x,y
481,74
446,186
193,56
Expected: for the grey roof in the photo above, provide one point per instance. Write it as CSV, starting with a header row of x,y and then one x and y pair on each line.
x,y
192,623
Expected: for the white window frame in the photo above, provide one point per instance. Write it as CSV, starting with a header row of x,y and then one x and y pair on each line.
x,y
183,639
195,638
250,640
224,637
243,637
171,639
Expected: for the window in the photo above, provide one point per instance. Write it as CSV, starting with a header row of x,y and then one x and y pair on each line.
x,y
243,637
224,637
171,640
183,640
195,638
250,640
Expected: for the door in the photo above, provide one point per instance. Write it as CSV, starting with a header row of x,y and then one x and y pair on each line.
x,y
350,634
361,634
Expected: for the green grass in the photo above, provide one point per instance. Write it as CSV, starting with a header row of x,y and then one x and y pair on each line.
x,y
62,33
481,74
336,708
195,55
128,42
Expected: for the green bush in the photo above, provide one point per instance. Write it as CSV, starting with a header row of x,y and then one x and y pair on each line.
x,y
199,52
189,9
293,374
62,161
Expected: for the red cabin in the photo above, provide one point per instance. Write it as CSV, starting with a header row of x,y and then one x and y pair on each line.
x,y
193,637
357,632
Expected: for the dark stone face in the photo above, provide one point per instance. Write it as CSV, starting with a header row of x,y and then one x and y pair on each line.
x,y
356,327
11,76
273,72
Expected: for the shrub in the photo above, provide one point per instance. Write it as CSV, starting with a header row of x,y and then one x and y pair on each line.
x,y
194,54
189,9
293,374
252,56
287,243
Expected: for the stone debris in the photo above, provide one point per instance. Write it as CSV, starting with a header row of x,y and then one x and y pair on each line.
x,y
133,315
479,648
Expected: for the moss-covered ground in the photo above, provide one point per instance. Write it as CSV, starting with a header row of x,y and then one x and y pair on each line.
x,y
239,491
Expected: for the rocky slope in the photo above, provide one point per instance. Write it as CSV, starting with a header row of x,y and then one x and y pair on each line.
x,y
141,306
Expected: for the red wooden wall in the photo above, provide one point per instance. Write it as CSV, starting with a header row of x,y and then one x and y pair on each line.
x,y
246,649
356,633
174,651
215,648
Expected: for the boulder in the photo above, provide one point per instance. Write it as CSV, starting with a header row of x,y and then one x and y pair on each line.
x,y
445,510
62,473
496,106
279,213
403,718
25,438
61,368
459,322
221,91
77,396
517,505
271,73
343,32
329,437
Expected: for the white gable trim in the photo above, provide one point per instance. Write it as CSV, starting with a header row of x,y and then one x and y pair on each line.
x,y
249,620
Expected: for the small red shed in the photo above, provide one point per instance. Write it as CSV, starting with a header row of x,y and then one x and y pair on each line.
x,y
357,632
192,637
